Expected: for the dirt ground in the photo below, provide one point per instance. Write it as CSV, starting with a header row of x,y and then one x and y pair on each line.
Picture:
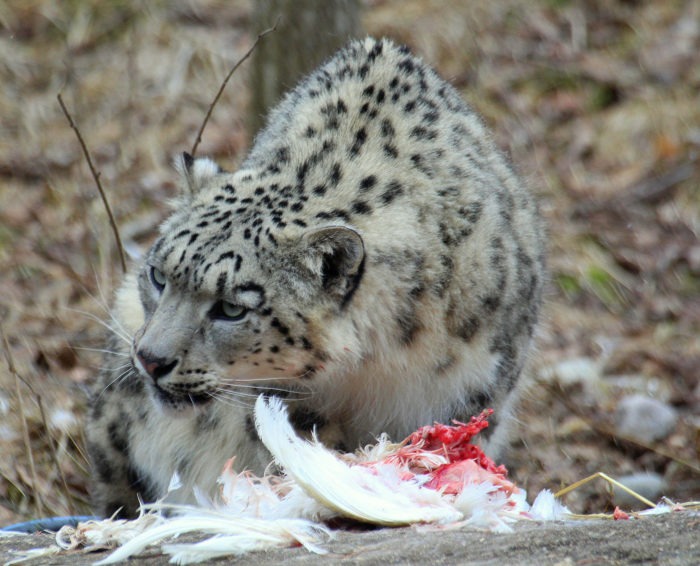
x,y
596,102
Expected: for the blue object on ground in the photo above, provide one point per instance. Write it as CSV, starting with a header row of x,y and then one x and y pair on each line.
x,y
52,524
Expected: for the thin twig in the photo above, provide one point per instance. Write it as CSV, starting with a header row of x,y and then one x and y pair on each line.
x,y
25,427
650,191
96,176
54,454
602,428
44,420
223,85
687,505
611,481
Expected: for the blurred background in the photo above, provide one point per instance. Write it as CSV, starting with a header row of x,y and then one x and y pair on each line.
x,y
596,102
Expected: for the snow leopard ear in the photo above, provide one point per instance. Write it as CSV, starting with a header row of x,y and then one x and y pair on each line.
x,y
335,254
195,172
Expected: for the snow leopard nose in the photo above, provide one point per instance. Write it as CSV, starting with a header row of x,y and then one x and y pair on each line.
x,y
155,367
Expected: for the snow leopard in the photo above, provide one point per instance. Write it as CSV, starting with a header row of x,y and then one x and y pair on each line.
x,y
375,262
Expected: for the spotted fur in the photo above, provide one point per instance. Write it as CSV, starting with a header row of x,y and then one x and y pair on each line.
x,y
375,261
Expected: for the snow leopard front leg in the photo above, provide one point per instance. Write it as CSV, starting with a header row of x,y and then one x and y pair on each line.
x,y
116,404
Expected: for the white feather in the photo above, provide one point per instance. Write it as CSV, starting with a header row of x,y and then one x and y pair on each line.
x,y
375,495
238,535
105,534
175,482
32,554
280,533
660,509
546,507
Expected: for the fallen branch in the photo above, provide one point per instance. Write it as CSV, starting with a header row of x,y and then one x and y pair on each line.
x,y
96,176
223,85
614,435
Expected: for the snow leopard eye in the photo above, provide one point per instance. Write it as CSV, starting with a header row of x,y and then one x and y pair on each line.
x,y
157,278
223,310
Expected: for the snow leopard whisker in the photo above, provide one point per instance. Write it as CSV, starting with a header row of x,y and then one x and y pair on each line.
x,y
102,351
118,332
262,379
256,380
108,368
231,401
237,394
126,370
254,391
259,385
232,394
104,304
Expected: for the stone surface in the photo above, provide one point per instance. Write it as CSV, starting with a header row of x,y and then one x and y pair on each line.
x,y
646,484
672,539
644,418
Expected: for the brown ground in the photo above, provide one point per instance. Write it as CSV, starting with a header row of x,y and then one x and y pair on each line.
x,y
596,102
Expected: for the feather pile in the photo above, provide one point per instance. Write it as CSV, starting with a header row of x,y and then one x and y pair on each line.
x,y
435,476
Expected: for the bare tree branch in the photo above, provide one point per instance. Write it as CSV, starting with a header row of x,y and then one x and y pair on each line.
x,y
223,85
96,176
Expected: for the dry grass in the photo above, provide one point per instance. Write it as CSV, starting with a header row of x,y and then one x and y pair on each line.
x,y
596,102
